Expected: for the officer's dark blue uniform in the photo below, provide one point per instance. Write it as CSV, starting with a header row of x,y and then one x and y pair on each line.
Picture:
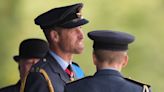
x,y
56,74
12,88
48,75
108,80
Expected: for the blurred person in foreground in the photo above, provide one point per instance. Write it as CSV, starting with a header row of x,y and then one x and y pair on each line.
x,y
62,28
30,52
109,56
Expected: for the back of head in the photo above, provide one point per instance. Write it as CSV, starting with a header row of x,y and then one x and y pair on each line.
x,y
110,46
109,56
110,40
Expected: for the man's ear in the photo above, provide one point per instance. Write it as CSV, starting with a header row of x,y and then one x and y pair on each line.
x,y
54,36
126,58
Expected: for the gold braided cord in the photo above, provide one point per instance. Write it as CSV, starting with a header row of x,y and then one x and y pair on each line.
x,y
42,71
23,82
47,79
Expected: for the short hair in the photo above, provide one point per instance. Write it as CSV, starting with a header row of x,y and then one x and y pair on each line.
x,y
47,32
109,55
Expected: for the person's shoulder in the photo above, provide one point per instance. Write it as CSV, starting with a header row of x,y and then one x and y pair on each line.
x,y
77,85
4,89
79,81
9,88
137,82
40,65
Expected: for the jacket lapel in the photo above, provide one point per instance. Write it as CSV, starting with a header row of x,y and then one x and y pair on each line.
x,y
57,68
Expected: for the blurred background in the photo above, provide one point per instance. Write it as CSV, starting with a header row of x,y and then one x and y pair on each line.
x,y
143,18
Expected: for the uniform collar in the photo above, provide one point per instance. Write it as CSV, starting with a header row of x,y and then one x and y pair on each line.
x,y
108,72
64,64
56,67
111,68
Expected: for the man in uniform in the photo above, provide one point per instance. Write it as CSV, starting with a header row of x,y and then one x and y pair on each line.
x,y
30,51
109,56
62,28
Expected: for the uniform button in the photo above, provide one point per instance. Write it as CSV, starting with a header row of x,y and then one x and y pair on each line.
x,y
44,59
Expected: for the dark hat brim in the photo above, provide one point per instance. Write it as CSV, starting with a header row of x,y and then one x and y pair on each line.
x,y
16,58
72,23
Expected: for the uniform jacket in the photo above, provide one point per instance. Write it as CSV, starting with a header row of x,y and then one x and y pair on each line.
x,y
104,81
36,82
12,88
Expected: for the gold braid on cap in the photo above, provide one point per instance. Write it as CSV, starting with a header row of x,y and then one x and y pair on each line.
x,y
79,13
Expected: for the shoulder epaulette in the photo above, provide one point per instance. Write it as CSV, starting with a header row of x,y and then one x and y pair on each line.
x,y
139,83
75,64
39,65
